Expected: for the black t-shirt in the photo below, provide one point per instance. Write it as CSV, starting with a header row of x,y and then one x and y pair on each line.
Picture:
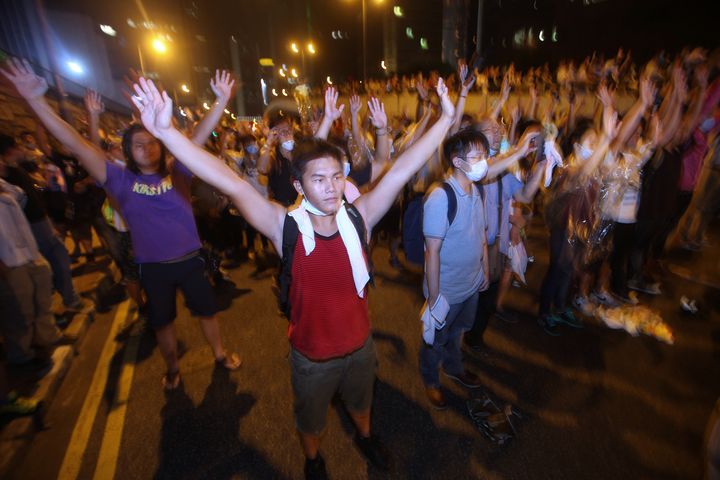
x,y
34,207
362,176
279,181
660,184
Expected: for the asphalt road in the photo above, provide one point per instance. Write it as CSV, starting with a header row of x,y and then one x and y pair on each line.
x,y
595,403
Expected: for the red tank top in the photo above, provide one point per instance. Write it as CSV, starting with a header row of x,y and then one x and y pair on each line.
x,y
328,318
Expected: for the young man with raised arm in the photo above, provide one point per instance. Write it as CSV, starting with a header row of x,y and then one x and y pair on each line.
x,y
329,332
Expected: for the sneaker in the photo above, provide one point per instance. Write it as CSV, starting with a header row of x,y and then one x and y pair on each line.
x,y
584,305
374,452
568,318
466,379
604,297
549,324
80,306
630,299
506,316
315,469
436,398
17,405
645,287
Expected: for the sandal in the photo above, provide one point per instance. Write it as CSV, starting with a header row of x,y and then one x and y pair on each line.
x,y
171,380
229,362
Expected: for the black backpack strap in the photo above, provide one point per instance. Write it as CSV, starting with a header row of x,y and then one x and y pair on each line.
x,y
452,202
284,277
359,225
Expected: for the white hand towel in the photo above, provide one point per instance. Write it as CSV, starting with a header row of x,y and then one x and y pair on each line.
x,y
349,236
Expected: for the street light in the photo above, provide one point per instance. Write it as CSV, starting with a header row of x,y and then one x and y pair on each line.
x,y
364,32
75,67
185,88
296,48
159,46
294,73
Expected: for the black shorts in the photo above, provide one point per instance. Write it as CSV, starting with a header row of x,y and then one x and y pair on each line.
x,y
128,267
161,281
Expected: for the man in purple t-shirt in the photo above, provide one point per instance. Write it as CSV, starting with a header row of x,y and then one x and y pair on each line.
x,y
153,196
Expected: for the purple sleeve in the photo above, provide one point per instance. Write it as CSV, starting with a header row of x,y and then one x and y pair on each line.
x,y
113,179
181,169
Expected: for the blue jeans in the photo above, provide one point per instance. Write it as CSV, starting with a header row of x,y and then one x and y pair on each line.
x,y
445,351
57,256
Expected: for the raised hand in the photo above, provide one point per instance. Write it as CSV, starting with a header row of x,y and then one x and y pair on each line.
x,y
610,123
515,114
355,105
222,85
467,82
377,113
21,75
448,109
647,91
93,102
505,88
701,75
421,88
605,95
155,107
332,112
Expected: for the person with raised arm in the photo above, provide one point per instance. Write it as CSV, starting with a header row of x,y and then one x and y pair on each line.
x,y
154,197
324,265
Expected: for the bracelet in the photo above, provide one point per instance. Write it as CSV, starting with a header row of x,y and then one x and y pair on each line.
x,y
381,131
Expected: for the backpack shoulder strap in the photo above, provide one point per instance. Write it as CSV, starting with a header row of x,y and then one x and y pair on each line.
x,y
452,202
359,224
284,278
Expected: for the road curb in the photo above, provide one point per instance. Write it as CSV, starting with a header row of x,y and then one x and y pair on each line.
x,y
17,435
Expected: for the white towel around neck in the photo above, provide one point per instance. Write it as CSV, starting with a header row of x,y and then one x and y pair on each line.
x,y
554,159
349,236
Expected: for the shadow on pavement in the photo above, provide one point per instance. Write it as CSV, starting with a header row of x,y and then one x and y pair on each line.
x,y
202,441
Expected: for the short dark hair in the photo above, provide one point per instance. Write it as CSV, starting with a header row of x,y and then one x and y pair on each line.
x,y
308,149
280,117
461,143
6,143
127,150
244,138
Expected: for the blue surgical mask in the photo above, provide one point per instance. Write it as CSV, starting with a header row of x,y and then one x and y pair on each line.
x,y
492,152
583,152
288,145
251,149
707,124
346,168
504,145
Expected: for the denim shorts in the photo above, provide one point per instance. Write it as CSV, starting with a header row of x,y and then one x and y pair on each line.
x,y
315,383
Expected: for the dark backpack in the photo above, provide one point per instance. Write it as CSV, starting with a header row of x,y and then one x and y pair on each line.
x,y
290,238
412,232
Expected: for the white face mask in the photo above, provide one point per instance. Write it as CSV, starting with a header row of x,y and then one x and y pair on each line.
x,y
477,170
288,145
583,152
346,168
251,149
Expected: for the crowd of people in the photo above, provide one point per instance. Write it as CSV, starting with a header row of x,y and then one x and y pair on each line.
x,y
455,188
